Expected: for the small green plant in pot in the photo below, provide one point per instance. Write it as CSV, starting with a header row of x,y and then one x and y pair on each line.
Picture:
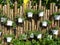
x,y
56,15
0,32
30,34
45,23
29,13
9,23
38,34
55,30
19,19
9,37
3,19
40,13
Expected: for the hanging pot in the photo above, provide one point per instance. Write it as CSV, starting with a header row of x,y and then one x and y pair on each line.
x,y
55,32
57,17
41,14
9,23
44,24
3,19
39,36
30,14
20,20
9,39
31,35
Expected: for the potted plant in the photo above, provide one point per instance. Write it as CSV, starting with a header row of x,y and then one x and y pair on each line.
x,y
56,15
29,13
38,34
19,19
30,34
55,30
40,13
3,19
8,37
45,23
9,23
0,32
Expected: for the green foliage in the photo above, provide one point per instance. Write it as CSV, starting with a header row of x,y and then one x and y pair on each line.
x,y
20,2
28,42
34,2
0,30
55,28
29,10
8,35
56,13
14,25
23,36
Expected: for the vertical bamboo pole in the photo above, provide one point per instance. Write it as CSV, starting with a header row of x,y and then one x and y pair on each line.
x,y
40,4
56,10
51,12
15,13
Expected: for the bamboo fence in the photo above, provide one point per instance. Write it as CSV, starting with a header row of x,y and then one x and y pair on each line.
x,y
28,24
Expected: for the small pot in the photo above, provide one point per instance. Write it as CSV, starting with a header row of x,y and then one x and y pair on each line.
x,y
39,36
30,14
41,14
44,24
55,32
9,23
57,17
20,20
50,36
9,39
31,35
0,33
3,19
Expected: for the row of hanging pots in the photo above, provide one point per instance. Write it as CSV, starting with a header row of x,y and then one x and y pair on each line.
x,y
30,34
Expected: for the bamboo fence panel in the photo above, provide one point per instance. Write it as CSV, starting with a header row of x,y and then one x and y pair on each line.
x,y
27,24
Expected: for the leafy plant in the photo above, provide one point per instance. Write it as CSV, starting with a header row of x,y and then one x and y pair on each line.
x,y
48,21
23,36
29,10
20,2
34,2
56,13
28,42
8,35
15,42
14,25
55,28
